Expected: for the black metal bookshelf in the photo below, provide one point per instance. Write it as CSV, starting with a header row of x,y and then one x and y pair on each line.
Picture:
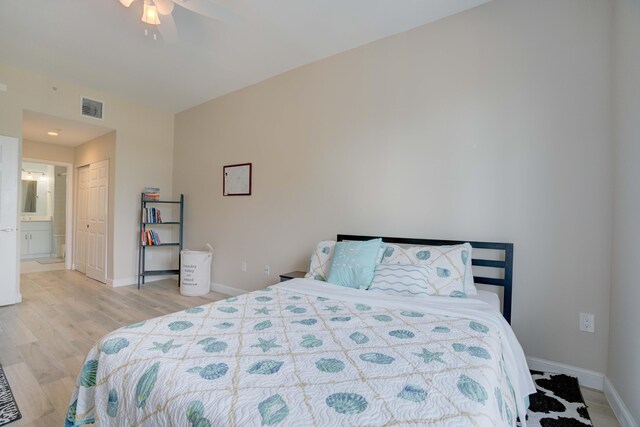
x,y
142,248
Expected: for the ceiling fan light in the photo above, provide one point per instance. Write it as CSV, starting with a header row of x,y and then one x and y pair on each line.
x,y
126,3
165,7
150,14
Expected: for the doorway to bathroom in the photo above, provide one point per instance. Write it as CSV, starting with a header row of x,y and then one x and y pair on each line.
x,y
44,205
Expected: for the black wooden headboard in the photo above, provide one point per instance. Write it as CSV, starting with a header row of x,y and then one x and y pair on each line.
x,y
507,265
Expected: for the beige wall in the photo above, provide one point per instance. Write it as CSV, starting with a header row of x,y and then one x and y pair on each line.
x,y
45,151
489,125
144,146
624,345
96,150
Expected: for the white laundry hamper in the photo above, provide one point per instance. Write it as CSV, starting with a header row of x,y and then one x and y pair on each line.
x,y
195,272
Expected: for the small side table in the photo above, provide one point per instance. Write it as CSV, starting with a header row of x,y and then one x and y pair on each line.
x,y
292,275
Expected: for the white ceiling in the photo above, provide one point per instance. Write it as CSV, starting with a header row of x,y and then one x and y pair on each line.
x,y
72,133
101,44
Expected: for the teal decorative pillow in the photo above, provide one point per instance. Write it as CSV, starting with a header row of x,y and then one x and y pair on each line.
x,y
353,263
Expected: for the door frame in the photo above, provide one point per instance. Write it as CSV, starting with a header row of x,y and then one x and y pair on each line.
x,y
76,199
69,214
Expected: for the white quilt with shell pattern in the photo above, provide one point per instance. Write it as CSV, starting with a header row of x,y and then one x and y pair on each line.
x,y
307,353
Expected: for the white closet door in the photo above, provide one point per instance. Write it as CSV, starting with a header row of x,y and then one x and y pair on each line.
x,y
9,293
82,220
98,192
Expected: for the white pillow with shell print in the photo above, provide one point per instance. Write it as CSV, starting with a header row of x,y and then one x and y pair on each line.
x,y
320,262
451,265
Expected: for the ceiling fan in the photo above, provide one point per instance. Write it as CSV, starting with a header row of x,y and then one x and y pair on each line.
x,y
159,13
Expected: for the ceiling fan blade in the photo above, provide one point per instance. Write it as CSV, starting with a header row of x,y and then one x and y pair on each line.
x,y
168,30
210,9
165,7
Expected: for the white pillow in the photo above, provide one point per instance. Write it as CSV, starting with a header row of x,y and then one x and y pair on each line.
x,y
450,263
469,284
407,279
320,262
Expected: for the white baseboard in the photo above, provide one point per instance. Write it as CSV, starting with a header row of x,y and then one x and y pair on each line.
x,y
115,283
227,290
586,377
617,405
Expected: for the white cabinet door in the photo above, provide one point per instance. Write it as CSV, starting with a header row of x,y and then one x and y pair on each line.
x,y
35,239
40,242
24,243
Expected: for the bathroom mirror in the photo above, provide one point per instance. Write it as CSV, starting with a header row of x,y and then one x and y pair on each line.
x,y
29,196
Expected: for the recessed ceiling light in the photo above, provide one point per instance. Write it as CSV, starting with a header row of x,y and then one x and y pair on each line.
x,y
54,132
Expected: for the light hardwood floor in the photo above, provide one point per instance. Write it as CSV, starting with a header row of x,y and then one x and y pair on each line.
x,y
43,340
33,266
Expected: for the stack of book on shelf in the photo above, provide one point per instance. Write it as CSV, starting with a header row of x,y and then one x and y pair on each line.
x,y
151,193
150,238
151,215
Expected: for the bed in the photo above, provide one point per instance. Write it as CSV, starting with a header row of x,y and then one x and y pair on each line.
x,y
305,352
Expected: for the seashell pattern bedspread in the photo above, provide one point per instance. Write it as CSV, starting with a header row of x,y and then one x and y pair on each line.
x,y
302,354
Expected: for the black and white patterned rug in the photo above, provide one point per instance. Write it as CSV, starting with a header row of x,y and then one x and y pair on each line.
x,y
557,403
8,407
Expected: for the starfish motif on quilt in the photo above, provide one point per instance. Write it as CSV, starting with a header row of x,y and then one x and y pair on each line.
x,y
332,308
428,356
263,310
166,347
266,345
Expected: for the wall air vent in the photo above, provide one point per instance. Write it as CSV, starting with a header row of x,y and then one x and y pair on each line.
x,y
92,108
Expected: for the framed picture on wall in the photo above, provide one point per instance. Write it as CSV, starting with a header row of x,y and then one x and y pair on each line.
x,y
236,180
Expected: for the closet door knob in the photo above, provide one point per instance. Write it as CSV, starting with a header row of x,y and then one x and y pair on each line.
x,y
7,230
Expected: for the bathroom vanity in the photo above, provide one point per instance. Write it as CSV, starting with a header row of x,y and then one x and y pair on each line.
x,y
35,238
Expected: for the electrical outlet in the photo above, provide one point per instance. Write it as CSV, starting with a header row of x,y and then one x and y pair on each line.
x,y
587,322
267,270
243,267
